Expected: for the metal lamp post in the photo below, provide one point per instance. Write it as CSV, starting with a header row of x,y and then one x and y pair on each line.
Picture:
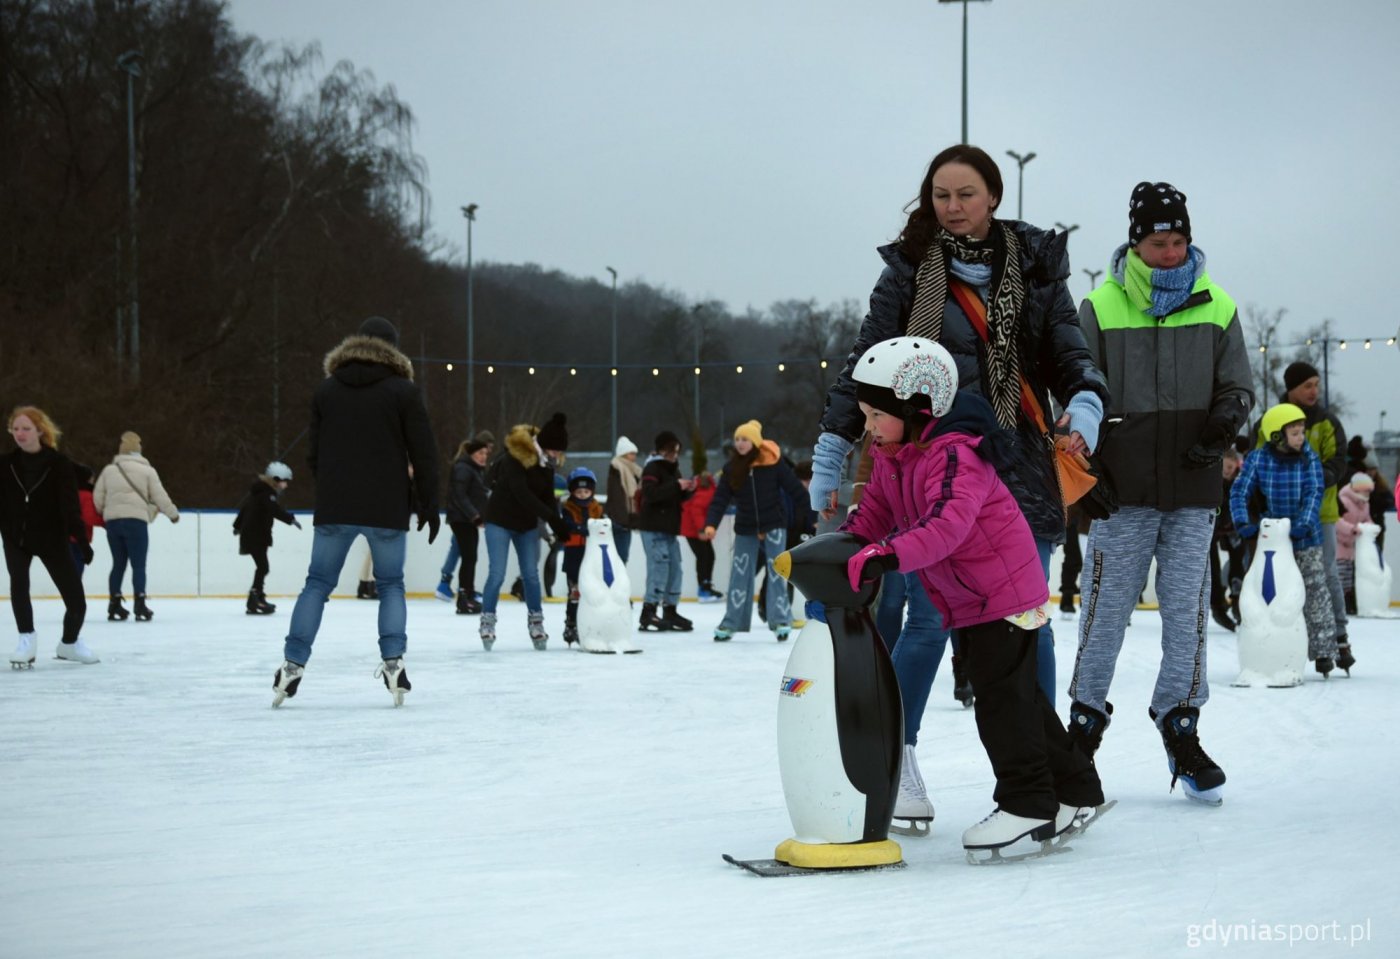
x,y
1066,229
695,313
1093,277
469,211
130,63
964,64
1021,162
613,438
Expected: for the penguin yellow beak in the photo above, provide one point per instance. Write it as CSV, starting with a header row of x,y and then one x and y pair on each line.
x,y
783,564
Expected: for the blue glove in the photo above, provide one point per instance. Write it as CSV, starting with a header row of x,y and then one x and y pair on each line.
x,y
1085,411
828,464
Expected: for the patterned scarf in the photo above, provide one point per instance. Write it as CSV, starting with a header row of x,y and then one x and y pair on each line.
x,y
1007,299
1158,292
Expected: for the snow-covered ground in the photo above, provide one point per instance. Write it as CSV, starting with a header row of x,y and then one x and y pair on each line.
x,y
562,804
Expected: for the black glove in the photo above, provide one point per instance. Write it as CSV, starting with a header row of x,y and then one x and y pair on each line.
x,y
86,549
560,528
1101,501
1216,436
433,522
297,523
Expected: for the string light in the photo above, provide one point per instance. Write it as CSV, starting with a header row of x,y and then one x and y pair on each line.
x,y
1390,342
449,367
1263,348
655,371
490,369
824,361
781,367
1342,345
738,369
614,371
573,371
1367,346
697,371
532,371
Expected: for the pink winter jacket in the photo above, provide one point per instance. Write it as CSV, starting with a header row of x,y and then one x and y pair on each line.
x,y
1356,509
950,517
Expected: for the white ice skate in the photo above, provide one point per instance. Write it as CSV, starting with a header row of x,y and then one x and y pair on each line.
x,y
23,656
75,653
985,841
913,812
1072,821
395,679
285,683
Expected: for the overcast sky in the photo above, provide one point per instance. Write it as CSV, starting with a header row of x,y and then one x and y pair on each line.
x,y
759,150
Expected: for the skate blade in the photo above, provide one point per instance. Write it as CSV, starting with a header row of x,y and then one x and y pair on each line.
x,y
995,857
21,664
1208,797
773,868
911,827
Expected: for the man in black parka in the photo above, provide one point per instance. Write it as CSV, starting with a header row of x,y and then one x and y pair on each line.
x,y
371,451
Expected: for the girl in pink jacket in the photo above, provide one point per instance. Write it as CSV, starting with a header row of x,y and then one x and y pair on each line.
x,y
1355,502
936,506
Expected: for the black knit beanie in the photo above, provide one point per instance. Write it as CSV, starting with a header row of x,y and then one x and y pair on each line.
x,y
553,435
380,328
666,441
1156,208
1297,374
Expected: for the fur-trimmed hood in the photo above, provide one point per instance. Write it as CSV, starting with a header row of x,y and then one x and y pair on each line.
x,y
520,443
354,361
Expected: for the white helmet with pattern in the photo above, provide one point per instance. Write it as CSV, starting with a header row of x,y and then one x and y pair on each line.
x,y
907,374
278,471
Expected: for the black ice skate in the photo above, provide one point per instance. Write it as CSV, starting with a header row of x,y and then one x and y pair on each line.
x,y
650,620
467,604
570,634
258,604
1345,660
367,590
1324,665
285,683
1200,777
141,611
1087,725
115,609
675,620
395,678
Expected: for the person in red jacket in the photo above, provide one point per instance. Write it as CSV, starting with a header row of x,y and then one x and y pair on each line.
x,y
692,528
92,517
936,505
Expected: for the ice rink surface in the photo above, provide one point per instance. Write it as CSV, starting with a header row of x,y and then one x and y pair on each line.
x,y
555,803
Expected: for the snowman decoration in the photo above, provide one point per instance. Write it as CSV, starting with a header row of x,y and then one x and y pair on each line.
x,y
1273,635
604,594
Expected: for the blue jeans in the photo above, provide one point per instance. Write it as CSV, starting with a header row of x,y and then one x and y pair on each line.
x,y
663,568
128,539
889,609
329,547
1045,637
527,555
738,599
454,553
622,538
917,654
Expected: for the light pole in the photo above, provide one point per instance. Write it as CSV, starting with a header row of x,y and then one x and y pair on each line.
x,y
964,65
130,63
1021,162
1066,229
1093,277
469,211
613,438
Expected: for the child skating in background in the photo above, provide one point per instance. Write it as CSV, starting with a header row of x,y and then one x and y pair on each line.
x,y
935,505
1288,474
253,527
578,509
91,517
1355,502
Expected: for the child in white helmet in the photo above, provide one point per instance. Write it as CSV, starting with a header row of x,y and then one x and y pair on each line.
x,y
253,527
936,505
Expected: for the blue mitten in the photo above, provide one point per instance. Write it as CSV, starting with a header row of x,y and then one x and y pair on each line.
x,y
1085,411
828,463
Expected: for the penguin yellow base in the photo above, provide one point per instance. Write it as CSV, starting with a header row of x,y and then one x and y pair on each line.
x,y
844,855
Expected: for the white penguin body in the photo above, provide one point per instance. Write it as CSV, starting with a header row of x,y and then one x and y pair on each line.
x,y
823,804
604,594
1373,575
1273,635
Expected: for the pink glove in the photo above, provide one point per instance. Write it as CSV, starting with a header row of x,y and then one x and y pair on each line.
x,y
870,563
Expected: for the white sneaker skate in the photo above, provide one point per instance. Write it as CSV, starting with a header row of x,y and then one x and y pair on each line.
x,y
488,630
285,683
985,841
395,679
23,656
913,805
76,653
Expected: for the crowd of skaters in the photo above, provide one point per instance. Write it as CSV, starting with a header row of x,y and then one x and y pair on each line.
x,y
966,298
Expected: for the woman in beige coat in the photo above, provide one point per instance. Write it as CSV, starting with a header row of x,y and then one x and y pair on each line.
x,y
129,495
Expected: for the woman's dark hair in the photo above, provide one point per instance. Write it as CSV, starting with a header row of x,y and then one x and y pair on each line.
x,y
740,467
922,225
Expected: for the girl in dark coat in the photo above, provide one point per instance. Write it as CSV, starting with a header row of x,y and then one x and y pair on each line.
x,y
39,517
754,479
253,526
467,496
